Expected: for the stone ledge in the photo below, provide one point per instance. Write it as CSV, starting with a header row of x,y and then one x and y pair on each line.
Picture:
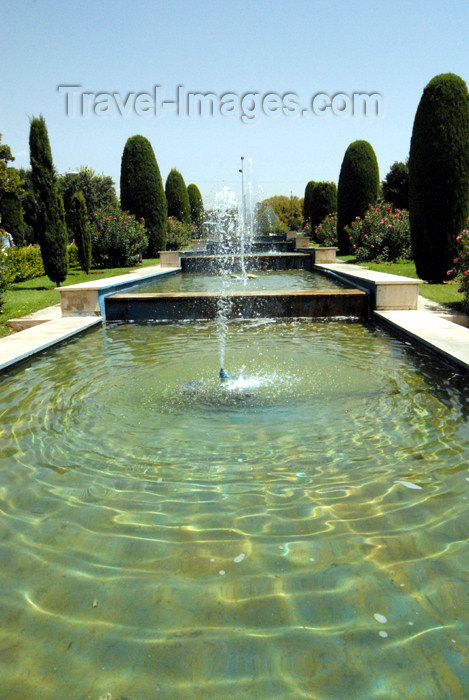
x,y
87,298
169,258
179,306
389,292
18,347
445,338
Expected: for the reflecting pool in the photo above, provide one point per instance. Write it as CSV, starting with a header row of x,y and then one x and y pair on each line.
x,y
258,281
298,531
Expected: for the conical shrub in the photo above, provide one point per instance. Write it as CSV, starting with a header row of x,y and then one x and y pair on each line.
x,y
358,187
177,197
439,175
142,192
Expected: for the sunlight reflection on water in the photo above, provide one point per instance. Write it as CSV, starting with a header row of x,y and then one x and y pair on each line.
x,y
299,530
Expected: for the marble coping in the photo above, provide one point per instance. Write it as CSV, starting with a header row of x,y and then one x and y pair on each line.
x,y
389,292
87,298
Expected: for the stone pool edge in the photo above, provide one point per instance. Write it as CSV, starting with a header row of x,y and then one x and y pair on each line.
x,y
21,346
447,339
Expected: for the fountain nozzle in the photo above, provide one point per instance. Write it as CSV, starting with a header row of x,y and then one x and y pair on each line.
x,y
223,375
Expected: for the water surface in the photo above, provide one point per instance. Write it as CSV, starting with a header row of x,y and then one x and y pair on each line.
x,y
299,531
260,281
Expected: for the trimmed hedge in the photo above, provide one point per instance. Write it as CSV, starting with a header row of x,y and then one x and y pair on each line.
x,y
358,188
24,263
439,175
307,202
72,255
177,197
323,201
196,205
142,192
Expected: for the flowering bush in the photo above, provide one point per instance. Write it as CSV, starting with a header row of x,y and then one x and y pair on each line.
x,y
461,266
383,235
326,232
178,235
196,231
117,239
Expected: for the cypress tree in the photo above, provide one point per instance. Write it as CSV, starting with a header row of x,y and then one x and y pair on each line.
x,y
439,175
196,205
49,220
323,201
12,216
307,202
395,187
142,191
177,197
358,187
79,230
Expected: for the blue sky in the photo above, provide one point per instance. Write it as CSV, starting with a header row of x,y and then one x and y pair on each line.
x,y
301,48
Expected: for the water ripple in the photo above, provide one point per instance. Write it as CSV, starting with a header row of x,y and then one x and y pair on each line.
x,y
164,535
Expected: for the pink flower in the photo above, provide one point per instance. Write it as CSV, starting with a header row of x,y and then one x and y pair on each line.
x,y
449,272
466,272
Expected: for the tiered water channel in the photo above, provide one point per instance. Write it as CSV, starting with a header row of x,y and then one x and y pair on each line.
x,y
297,531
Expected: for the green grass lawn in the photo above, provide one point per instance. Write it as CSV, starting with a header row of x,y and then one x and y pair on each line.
x,y
24,298
446,293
